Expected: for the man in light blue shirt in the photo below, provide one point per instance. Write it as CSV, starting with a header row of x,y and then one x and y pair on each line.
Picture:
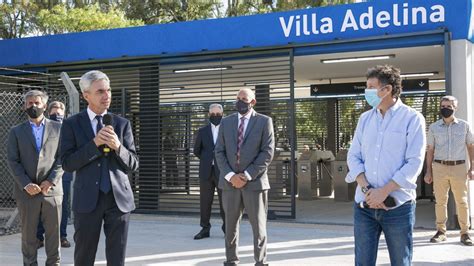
x,y
385,159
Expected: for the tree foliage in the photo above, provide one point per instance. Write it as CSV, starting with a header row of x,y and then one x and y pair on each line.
x,y
17,20
61,19
39,17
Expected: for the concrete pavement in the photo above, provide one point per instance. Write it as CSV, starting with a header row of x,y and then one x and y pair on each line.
x,y
168,240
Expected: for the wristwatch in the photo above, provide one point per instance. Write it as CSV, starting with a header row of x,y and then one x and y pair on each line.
x,y
366,189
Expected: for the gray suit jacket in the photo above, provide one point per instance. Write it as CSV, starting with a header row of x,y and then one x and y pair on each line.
x,y
256,152
27,166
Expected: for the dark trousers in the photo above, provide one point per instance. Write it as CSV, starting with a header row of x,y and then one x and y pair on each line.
x,y
88,227
66,209
206,197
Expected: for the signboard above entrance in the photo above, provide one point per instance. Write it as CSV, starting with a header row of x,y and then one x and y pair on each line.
x,y
313,27
357,88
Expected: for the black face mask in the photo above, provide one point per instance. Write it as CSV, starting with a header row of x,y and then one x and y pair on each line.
x,y
242,107
446,112
34,112
56,117
215,119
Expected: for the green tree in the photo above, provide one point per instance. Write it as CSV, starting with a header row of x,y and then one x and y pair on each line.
x,y
61,19
17,19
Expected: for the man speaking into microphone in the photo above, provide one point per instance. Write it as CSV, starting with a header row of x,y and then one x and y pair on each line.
x,y
99,146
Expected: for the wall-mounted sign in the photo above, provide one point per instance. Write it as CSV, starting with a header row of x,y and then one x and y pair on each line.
x,y
409,85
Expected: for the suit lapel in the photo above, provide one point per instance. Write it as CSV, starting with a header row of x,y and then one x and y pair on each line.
x,y
86,125
235,128
250,125
45,132
29,134
209,134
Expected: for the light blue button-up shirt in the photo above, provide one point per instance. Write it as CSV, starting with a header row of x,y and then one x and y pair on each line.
x,y
388,148
38,134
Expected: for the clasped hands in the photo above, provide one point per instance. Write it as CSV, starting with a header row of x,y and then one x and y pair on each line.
x,y
108,137
238,180
375,198
33,189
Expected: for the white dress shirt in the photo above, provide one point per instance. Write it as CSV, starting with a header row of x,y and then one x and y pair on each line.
x,y
229,175
215,132
94,121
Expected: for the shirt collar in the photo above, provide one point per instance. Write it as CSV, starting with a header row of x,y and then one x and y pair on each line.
x,y
92,115
248,115
455,121
398,103
214,126
34,124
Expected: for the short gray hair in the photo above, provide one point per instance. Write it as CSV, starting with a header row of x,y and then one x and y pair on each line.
x,y
451,99
36,93
56,104
249,92
88,78
216,105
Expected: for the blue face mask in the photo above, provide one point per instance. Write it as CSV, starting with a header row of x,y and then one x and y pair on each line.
x,y
372,98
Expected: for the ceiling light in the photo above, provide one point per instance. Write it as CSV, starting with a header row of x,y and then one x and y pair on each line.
x,y
288,89
437,80
202,69
267,82
191,94
413,75
357,59
72,79
171,89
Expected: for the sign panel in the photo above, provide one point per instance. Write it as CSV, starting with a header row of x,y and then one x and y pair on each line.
x,y
357,88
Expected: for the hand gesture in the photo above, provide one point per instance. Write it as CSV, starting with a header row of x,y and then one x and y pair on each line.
x,y
238,180
112,139
375,198
45,187
32,189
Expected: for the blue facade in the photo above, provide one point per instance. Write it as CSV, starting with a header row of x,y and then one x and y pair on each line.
x,y
307,26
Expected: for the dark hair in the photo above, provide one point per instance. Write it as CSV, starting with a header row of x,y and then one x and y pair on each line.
x,y
387,75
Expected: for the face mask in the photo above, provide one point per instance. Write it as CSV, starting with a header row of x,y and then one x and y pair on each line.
x,y
34,112
242,107
56,117
372,98
446,112
215,119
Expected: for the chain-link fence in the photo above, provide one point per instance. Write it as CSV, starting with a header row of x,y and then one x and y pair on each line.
x,y
13,84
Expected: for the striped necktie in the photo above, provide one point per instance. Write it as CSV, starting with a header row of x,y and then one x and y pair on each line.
x,y
240,139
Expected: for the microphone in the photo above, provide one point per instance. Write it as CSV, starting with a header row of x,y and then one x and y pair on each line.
x,y
107,120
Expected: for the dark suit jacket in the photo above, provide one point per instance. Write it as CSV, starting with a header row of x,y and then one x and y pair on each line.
x,y
79,153
204,150
256,152
27,166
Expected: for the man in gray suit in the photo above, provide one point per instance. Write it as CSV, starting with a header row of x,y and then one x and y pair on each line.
x,y
34,162
244,150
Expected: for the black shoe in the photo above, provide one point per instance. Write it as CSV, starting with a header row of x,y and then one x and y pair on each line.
x,y
438,237
65,243
40,244
202,234
466,240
